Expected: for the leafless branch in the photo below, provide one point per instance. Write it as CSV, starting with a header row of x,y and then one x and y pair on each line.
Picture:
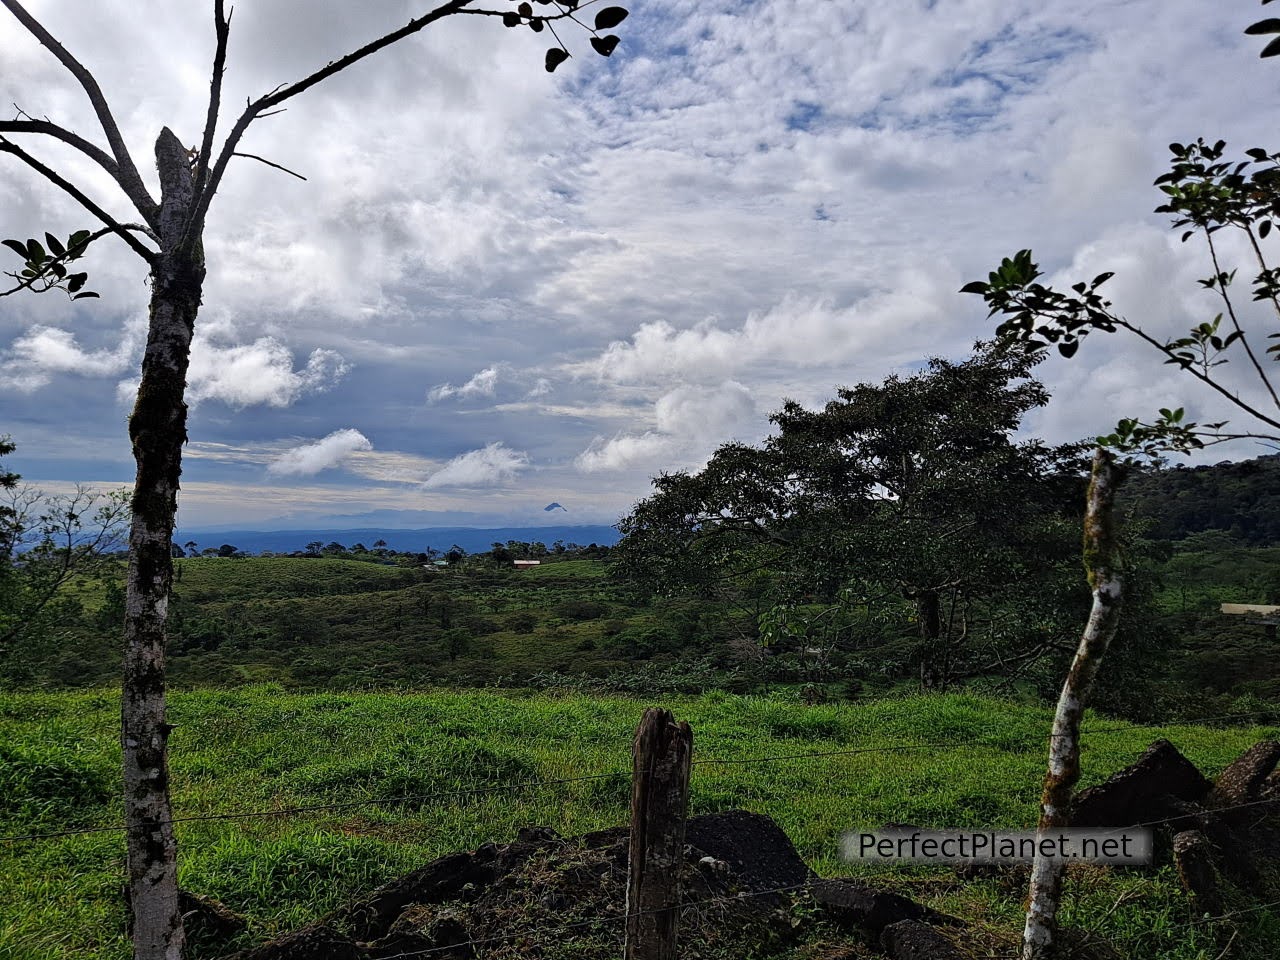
x,y
97,235
127,174
1231,312
254,156
56,542
90,150
222,28
8,146
282,93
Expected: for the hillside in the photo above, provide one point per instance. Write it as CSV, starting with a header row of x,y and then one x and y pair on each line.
x,y
466,762
331,623
1240,499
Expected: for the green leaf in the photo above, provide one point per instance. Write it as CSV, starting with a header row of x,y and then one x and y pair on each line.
x,y
1271,49
975,286
1270,25
555,57
1068,348
610,17
76,281
55,245
510,19
17,247
604,45
35,252
524,10
82,296
536,24
1264,228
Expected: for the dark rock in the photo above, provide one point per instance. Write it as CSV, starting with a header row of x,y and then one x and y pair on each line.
x,y
758,853
536,835
913,940
1137,792
1243,779
1271,787
319,942
849,904
439,880
207,919
1197,863
424,929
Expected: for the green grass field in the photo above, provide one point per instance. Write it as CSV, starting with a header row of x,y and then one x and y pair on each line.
x,y
473,756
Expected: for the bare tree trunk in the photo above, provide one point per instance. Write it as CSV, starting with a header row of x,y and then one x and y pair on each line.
x,y
929,617
157,429
1102,566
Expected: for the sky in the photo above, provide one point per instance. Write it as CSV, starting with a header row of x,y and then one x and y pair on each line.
x,y
500,288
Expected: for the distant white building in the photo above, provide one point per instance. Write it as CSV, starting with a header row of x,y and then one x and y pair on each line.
x,y
526,563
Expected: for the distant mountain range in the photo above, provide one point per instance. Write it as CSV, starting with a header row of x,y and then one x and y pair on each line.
x,y
469,539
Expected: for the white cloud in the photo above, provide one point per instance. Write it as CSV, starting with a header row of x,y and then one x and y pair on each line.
x,y
260,372
491,464
43,352
689,422
309,459
798,333
483,384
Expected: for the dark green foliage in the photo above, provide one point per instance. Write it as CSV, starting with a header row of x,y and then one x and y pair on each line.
x,y
1242,500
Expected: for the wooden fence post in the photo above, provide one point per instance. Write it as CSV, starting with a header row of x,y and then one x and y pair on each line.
x,y
661,759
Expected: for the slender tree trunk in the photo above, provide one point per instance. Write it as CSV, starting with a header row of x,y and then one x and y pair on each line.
x,y
1101,563
157,429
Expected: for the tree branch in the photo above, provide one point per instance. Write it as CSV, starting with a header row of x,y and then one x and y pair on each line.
x,y
8,146
1231,312
127,174
254,156
91,150
1209,381
222,28
285,92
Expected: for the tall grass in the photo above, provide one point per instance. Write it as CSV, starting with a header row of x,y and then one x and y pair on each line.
x,y
482,757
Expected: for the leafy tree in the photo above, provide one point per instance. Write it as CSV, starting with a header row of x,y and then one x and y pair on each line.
x,y
907,498
169,239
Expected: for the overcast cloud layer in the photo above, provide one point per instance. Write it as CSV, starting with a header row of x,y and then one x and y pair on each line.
x,y
500,288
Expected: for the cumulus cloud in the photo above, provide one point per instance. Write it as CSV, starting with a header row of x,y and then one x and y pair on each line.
x,y
42,352
797,332
311,458
689,421
259,373
483,384
490,465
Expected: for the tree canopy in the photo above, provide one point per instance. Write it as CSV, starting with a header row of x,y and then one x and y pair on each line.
x,y
910,499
